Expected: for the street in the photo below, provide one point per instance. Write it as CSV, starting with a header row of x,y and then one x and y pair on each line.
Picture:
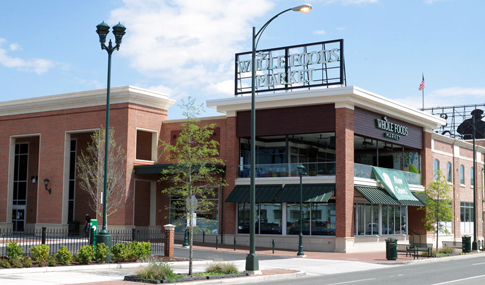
x,y
455,271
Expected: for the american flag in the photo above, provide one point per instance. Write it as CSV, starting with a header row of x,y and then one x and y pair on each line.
x,y
421,86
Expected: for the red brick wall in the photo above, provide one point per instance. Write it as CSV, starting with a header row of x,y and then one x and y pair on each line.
x,y
142,203
344,177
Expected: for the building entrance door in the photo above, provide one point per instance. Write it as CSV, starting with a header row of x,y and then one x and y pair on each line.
x,y
18,218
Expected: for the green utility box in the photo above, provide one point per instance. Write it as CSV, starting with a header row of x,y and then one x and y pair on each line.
x,y
94,225
391,249
466,242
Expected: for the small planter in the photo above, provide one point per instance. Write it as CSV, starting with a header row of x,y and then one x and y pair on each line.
x,y
133,278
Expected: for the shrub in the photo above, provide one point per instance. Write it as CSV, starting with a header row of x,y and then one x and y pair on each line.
x,y
101,252
157,271
40,253
85,254
14,251
138,250
4,263
16,263
120,252
447,250
222,267
27,261
63,255
51,261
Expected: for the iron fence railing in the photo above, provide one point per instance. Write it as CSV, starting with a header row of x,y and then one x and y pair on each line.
x,y
55,238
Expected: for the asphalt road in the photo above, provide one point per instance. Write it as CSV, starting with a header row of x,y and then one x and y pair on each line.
x,y
468,271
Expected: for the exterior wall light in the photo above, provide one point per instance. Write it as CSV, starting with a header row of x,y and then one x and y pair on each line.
x,y
46,184
34,179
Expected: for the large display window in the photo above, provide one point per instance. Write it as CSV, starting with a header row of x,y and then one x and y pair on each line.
x,y
373,219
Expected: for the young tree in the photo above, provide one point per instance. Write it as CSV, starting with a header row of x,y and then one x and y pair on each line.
x,y
438,206
90,172
195,174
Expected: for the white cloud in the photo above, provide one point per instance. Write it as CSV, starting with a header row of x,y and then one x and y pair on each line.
x,y
352,2
225,87
38,66
320,32
15,46
430,2
187,42
453,96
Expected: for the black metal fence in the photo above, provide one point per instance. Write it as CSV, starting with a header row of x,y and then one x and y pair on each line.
x,y
55,238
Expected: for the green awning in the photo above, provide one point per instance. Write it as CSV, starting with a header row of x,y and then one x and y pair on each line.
x,y
395,182
311,193
421,197
264,193
376,195
380,196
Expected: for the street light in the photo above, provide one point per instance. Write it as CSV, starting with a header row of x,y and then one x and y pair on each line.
x,y
300,253
118,30
252,263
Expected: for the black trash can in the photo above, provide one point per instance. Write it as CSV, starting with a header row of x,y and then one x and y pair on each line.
x,y
391,249
466,242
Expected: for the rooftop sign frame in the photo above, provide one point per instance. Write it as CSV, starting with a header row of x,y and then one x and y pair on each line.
x,y
292,67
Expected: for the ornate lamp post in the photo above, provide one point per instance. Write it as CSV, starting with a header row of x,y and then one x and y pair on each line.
x,y
252,263
118,30
300,253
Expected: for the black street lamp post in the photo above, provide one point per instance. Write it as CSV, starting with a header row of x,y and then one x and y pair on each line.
x,y
300,253
118,30
252,263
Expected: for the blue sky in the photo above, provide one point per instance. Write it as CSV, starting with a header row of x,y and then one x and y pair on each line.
x,y
187,47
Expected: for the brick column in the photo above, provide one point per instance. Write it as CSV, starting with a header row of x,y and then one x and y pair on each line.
x,y
344,176
169,240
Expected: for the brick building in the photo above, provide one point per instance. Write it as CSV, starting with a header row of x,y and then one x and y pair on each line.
x,y
348,139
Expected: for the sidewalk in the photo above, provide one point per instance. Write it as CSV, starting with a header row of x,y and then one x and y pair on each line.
x,y
283,264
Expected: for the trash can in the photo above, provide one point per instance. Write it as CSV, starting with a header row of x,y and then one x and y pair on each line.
x,y
391,249
466,242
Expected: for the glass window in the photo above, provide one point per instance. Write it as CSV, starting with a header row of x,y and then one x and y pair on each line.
x,y
436,168
323,219
207,221
466,212
462,174
449,171
472,177
293,219
393,219
270,219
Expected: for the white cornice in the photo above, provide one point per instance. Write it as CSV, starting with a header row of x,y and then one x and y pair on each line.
x,y
347,96
123,94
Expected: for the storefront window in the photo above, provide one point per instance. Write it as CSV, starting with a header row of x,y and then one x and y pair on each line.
x,y
293,218
270,221
393,219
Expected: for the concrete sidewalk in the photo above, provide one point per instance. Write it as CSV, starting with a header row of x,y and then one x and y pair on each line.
x,y
273,266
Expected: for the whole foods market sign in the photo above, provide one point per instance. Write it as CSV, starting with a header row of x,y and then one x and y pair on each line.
x,y
316,64
393,131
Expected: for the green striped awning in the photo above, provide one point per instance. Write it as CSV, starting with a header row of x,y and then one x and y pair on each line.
x,y
264,193
376,195
421,197
311,193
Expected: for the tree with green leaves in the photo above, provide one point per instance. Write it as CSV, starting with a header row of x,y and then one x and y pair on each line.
x,y
438,206
195,174
90,172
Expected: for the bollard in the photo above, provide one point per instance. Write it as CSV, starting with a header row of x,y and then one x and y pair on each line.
x,y
133,234
217,241
273,246
186,238
234,243
43,234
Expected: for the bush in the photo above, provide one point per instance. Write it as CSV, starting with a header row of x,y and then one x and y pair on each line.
x,y
101,252
447,250
157,271
14,251
16,263
63,255
222,267
138,250
120,252
40,253
4,263
51,261
85,254
27,261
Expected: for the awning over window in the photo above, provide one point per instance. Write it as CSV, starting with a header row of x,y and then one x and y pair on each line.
x,y
264,193
421,197
376,195
381,196
311,193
